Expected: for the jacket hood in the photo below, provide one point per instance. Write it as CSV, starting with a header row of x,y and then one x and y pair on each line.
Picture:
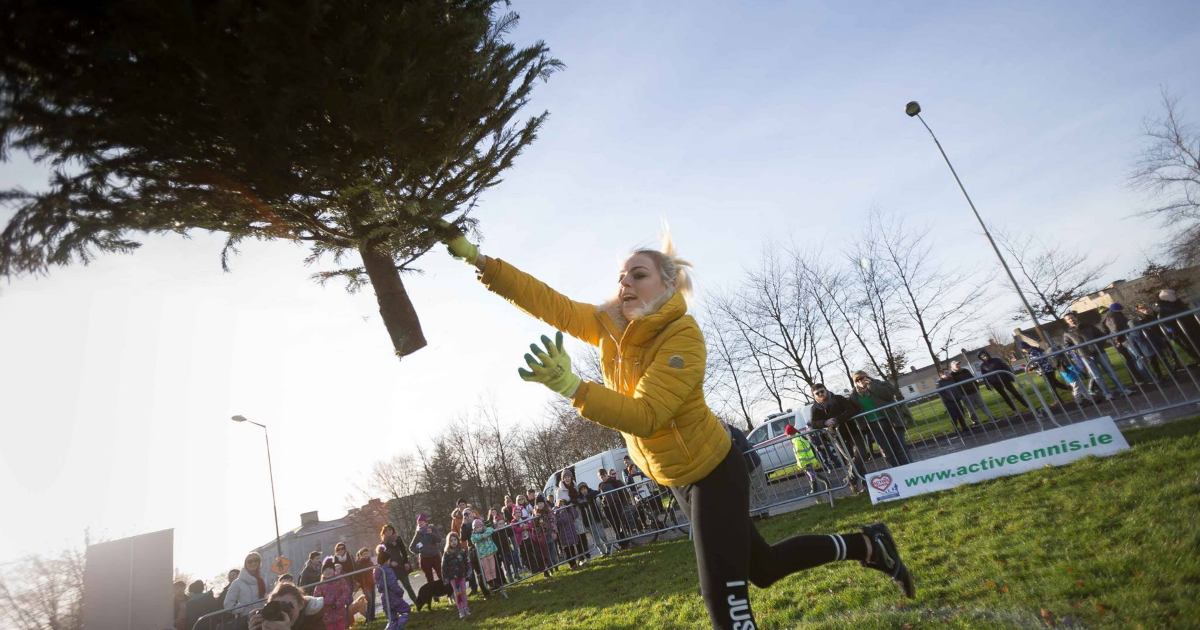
x,y
246,577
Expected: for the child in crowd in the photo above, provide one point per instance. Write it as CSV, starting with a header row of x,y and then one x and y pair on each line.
x,y
523,509
502,539
523,532
366,580
485,547
336,593
456,520
1072,376
455,566
543,536
394,607
568,534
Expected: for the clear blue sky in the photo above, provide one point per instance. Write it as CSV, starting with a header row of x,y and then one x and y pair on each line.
x,y
739,123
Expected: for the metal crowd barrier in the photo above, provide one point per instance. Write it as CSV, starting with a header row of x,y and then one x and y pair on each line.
x,y
777,479
1132,373
1135,372
238,617
570,534
945,420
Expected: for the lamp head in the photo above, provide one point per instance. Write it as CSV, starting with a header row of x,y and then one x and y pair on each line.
x,y
239,418
913,108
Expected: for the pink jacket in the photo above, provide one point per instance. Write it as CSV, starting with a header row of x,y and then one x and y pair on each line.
x,y
337,600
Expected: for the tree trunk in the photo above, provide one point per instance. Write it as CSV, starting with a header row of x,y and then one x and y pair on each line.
x,y
397,310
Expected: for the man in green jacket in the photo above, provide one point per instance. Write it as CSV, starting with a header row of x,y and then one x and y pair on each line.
x,y
886,427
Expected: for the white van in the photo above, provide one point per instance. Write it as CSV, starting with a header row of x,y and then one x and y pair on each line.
x,y
585,470
779,453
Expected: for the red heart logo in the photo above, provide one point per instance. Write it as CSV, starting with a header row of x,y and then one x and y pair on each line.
x,y
882,482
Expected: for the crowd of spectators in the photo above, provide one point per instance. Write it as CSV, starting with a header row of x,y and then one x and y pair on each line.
x,y
474,554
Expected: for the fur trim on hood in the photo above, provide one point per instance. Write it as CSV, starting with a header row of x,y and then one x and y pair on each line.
x,y
613,308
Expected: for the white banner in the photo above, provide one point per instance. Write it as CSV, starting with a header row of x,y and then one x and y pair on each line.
x,y
999,459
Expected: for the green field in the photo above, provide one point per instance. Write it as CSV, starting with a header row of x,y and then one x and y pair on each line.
x,y
1106,542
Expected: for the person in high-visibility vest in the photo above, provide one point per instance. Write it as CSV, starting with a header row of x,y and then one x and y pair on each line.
x,y
806,458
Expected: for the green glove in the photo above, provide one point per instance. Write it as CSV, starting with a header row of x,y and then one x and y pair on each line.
x,y
458,244
552,367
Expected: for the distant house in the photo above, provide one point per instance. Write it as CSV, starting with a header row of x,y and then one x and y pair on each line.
x,y
358,528
918,381
1143,289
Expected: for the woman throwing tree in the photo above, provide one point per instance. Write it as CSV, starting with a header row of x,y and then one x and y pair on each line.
x,y
653,356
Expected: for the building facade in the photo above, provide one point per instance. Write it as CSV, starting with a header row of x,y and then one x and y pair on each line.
x,y
358,528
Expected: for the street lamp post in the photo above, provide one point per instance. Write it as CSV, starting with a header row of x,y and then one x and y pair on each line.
x,y
913,109
271,474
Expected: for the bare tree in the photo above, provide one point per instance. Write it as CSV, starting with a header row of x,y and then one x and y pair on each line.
x,y
942,301
827,293
760,364
539,452
774,313
1169,169
397,480
870,311
43,593
503,470
1056,277
466,441
732,385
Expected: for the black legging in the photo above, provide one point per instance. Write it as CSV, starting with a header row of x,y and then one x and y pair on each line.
x,y
730,551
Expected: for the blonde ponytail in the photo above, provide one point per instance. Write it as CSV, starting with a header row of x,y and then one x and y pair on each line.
x,y
676,272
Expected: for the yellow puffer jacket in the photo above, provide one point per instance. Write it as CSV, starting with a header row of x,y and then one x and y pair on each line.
x,y
653,376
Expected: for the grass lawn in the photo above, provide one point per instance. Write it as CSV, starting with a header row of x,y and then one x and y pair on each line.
x,y
1108,542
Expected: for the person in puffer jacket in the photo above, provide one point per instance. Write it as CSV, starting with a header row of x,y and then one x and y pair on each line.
x,y
390,591
485,548
455,567
652,356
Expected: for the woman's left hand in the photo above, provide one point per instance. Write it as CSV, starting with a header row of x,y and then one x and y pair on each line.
x,y
552,367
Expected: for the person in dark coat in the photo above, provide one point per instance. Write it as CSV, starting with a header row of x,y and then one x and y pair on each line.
x,y
1093,355
199,603
614,502
398,555
952,401
998,376
311,573
589,513
968,391
1115,321
1156,343
831,411
1185,331
427,545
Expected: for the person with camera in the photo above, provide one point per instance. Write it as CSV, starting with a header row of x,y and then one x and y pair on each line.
x,y
426,545
288,608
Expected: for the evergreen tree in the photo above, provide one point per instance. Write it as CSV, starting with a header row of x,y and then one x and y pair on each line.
x,y
441,480
350,126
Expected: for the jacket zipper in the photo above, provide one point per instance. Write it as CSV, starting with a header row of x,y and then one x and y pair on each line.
x,y
679,438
